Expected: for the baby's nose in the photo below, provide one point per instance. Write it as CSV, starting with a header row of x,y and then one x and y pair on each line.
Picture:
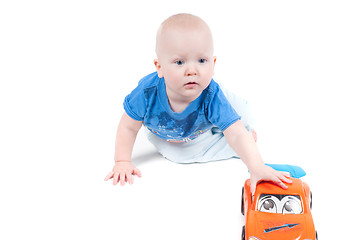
x,y
191,70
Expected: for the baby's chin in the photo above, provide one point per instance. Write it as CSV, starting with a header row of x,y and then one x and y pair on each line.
x,y
192,92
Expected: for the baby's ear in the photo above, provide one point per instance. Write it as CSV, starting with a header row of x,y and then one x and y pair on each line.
x,y
214,63
158,67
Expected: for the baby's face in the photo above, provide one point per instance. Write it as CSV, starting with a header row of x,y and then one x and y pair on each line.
x,y
186,61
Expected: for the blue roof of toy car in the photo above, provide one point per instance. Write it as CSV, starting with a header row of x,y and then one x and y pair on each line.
x,y
295,171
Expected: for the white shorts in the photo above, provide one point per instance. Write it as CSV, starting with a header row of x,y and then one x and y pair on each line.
x,y
209,146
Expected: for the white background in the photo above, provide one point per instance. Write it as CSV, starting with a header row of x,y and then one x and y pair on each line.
x,y
66,66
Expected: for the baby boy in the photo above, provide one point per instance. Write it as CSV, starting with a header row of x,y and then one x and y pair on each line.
x,y
187,115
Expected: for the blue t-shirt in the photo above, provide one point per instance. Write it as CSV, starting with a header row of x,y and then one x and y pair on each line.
x,y
148,102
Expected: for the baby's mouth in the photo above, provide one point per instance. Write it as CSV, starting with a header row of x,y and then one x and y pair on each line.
x,y
190,83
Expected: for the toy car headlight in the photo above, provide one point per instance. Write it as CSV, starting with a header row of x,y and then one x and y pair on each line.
x,y
253,238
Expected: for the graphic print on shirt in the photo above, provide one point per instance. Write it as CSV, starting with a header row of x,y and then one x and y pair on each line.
x,y
182,130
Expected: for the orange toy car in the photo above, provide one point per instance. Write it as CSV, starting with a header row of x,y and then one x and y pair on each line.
x,y
276,213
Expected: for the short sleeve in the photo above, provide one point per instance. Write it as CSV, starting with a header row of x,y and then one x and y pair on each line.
x,y
135,104
220,112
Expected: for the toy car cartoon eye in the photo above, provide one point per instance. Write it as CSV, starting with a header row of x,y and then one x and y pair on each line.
x,y
292,206
268,204
285,204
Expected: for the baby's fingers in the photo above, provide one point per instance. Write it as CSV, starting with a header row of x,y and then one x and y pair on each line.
x,y
122,178
116,178
284,177
109,176
280,184
281,179
253,187
137,172
286,180
128,177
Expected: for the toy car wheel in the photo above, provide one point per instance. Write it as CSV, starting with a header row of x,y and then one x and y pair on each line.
x,y
311,202
316,235
242,204
244,233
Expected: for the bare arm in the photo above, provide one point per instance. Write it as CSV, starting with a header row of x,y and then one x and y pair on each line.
x,y
123,168
126,134
244,145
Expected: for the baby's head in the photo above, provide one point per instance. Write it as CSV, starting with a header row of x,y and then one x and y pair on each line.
x,y
184,48
183,23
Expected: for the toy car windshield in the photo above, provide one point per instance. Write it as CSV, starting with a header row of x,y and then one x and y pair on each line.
x,y
275,203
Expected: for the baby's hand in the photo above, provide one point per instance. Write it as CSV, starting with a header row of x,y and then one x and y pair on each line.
x,y
122,172
266,173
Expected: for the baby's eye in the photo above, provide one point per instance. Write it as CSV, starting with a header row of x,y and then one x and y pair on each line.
x,y
202,60
179,62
